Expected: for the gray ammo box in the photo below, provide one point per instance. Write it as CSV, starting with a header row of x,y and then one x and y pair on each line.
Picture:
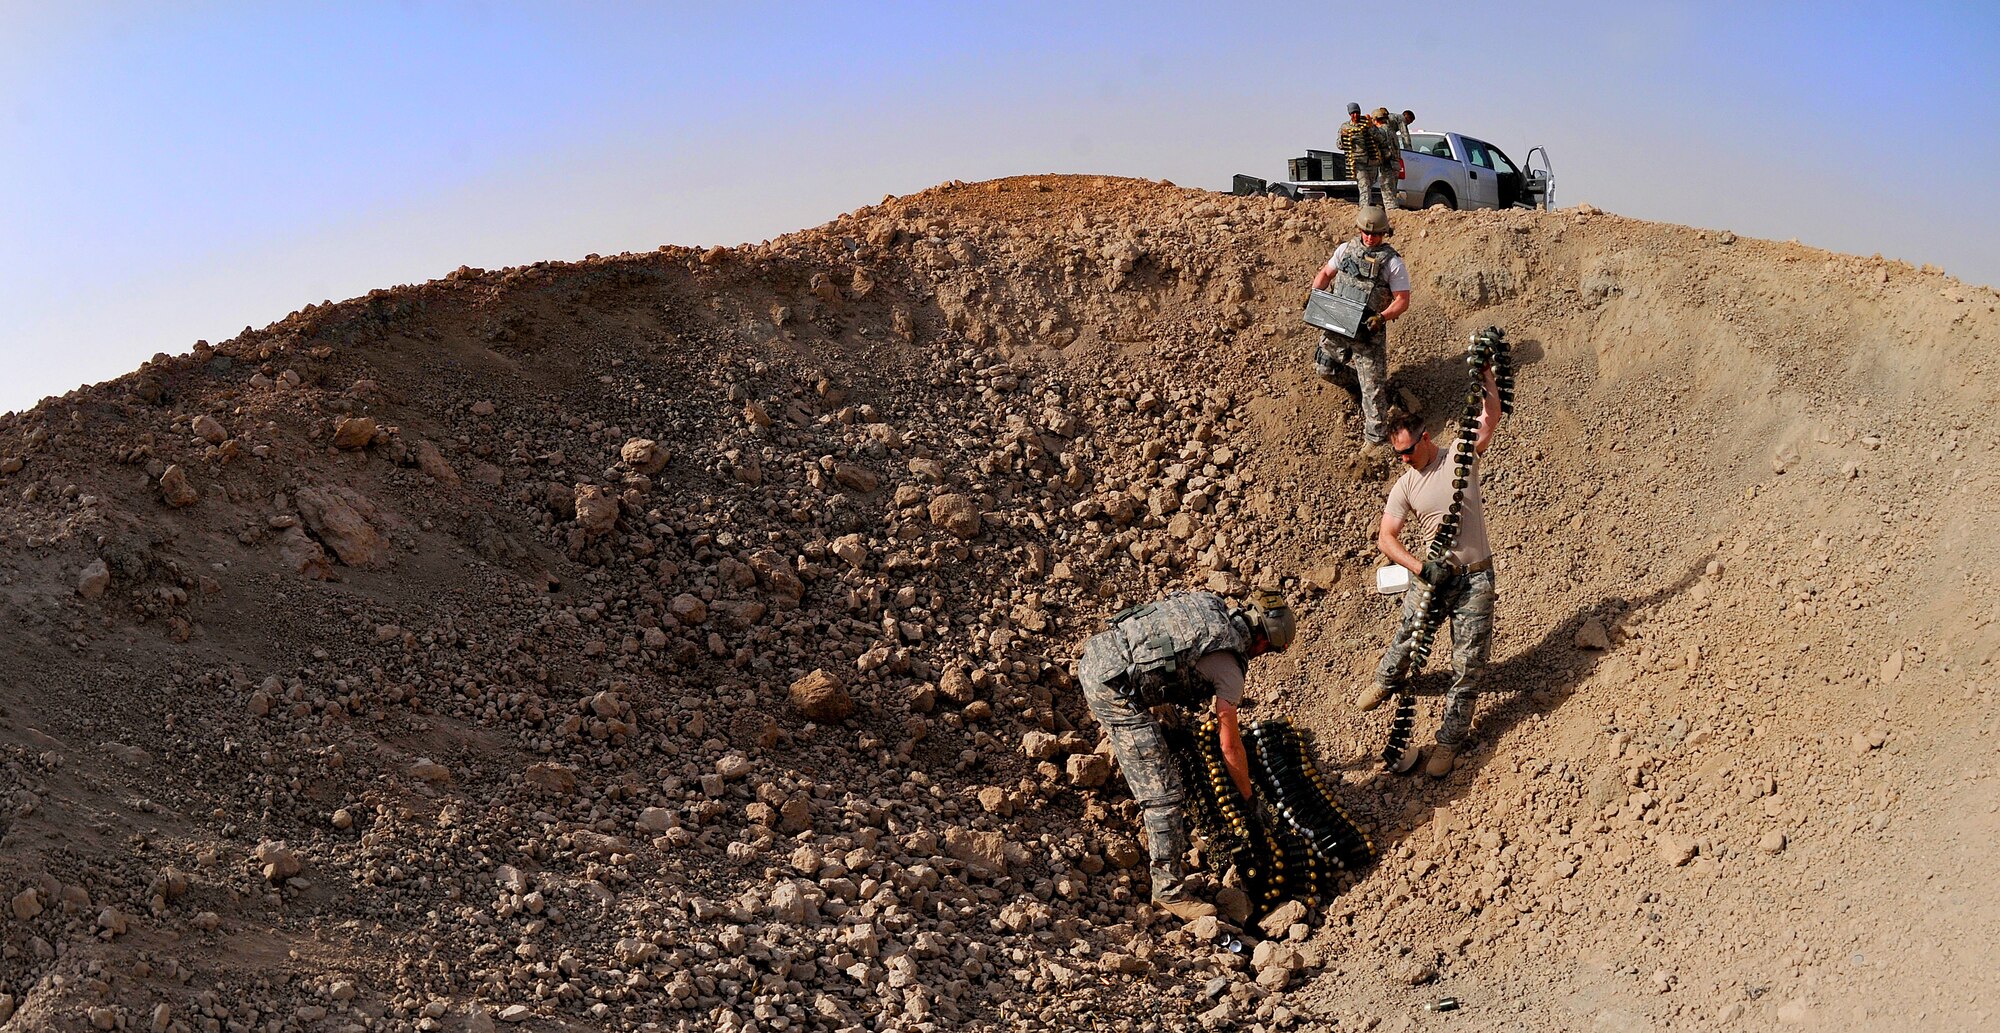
x,y
1330,312
1332,164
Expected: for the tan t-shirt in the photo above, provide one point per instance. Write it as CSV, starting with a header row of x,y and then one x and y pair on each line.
x,y
1425,495
1225,672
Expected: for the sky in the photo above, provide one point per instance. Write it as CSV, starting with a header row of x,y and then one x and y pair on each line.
x,y
170,172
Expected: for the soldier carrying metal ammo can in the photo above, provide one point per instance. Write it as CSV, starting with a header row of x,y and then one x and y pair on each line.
x,y
1370,288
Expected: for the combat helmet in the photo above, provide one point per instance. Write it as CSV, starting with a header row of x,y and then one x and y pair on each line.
x,y
1271,614
1373,220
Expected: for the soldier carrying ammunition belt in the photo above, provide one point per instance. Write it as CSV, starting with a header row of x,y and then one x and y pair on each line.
x,y
1462,582
1183,650
1370,159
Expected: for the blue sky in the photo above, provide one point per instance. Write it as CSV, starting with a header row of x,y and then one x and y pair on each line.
x,y
173,172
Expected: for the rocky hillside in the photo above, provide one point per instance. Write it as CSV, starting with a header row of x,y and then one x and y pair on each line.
x,y
681,640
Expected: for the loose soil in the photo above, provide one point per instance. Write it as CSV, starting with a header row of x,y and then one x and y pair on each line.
x,y
681,640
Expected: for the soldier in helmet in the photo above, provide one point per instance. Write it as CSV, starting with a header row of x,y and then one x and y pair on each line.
x,y
1186,650
1389,174
1367,270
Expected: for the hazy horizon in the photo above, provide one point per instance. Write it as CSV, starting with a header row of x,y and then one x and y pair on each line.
x,y
180,176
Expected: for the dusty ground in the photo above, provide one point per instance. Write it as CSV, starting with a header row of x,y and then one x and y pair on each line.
x,y
413,692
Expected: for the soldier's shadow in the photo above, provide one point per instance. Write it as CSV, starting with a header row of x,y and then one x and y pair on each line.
x,y
1437,382
1532,681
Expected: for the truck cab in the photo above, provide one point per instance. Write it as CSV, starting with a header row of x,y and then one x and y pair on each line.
x,y
1459,171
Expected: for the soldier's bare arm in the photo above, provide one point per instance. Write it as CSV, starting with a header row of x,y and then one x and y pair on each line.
x,y
1233,756
1389,540
1489,414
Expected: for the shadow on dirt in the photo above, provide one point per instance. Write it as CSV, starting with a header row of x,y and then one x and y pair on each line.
x,y
1438,383
1535,680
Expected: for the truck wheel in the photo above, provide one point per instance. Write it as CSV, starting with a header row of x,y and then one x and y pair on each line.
x,y
1440,196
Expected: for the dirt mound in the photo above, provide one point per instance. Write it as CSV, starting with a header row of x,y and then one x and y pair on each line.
x,y
683,638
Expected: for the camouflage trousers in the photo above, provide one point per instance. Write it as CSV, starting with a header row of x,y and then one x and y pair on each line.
x,y
1468,599
1366,364
1150,772
1376,187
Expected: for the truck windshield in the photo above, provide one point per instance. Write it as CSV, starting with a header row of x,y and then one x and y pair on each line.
x,y
1500,162
1430,143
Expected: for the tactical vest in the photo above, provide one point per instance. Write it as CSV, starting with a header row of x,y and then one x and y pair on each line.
x,y
1363,275
1159,644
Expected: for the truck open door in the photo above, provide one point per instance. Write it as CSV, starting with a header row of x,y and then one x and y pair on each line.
x,y
1541,185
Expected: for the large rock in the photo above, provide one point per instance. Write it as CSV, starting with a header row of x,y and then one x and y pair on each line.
x,y
1282,918
209,429
1089,769
434,465
280,861
93,580
175,489
644,455
345,520
956,514
776,574
302,554
588,843
787,902
557,779
956,685
354,432
596,510
688,610
856,477
982,853
821,697
851,551
429,770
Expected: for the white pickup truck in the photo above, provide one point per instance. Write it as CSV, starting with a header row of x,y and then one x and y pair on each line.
x,y
1449,169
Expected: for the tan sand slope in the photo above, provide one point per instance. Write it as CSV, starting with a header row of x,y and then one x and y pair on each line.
x,y
682,638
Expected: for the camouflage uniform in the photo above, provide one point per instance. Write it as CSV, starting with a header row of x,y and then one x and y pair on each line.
x,y
1363,275
1468,598
1366,159
1146,659
1392,146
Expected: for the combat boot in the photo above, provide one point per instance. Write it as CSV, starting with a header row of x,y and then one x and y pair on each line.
x,y
1176,901
1372,697
1441,761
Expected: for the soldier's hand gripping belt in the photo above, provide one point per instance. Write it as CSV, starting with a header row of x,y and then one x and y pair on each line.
x,y
1308,841
1488,348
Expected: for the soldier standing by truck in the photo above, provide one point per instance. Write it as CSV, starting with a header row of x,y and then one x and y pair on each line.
x,y
1392,148
1184,650
1366,157
1367,271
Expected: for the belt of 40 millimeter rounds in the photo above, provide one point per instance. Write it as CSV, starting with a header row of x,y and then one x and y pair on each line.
x,y
1488,347
1302,854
